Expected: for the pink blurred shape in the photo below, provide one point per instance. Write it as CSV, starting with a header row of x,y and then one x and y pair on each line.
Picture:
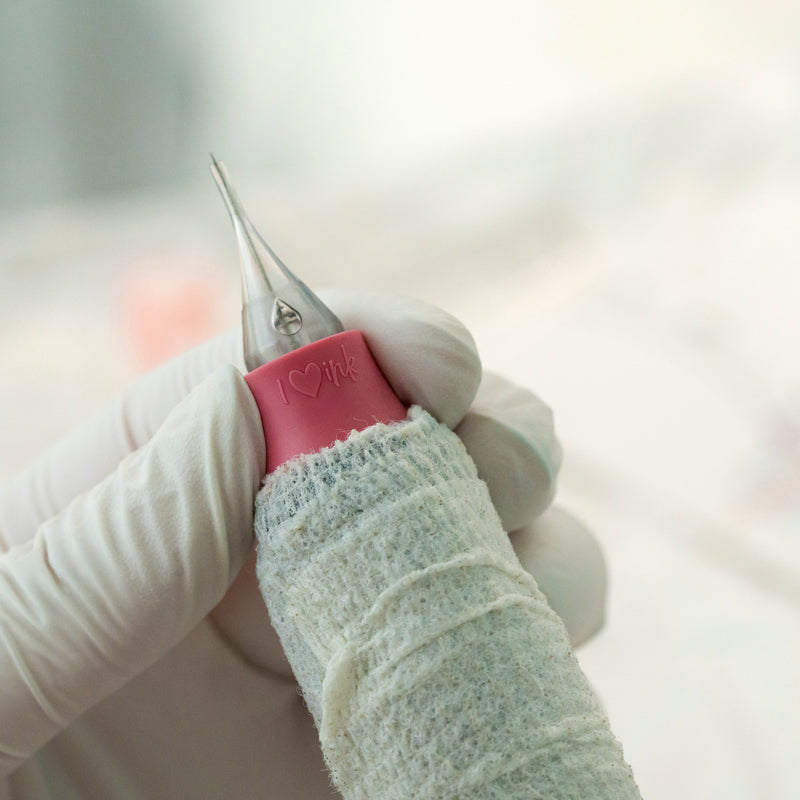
x,y
169,302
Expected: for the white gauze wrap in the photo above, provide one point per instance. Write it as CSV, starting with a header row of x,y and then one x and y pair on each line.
x,y
432,664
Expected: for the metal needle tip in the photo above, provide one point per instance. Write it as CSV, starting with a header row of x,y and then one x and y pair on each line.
x,y
279,312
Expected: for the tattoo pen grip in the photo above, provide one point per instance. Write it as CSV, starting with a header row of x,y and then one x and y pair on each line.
x,y
317,395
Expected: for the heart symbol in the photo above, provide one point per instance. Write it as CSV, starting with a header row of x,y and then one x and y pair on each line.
x,y
306,381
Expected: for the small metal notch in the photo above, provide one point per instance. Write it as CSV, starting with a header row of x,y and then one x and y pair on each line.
x,y
285,319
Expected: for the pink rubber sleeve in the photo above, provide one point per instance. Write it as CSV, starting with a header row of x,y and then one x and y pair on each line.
x,y
319,394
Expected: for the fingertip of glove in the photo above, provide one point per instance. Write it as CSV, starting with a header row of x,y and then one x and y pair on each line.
x,y
510,435
521,479
219,427
568,564
143,407
235,406
427,355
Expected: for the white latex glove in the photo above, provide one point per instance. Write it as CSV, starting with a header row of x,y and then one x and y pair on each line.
x,y
133,529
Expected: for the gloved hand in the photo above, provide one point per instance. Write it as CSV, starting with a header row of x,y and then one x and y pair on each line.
x,y
135,527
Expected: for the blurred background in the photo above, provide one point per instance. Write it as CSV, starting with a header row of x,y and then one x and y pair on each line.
x,y
607,194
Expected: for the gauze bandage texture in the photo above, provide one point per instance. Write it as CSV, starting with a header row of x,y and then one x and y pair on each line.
x,y
432,664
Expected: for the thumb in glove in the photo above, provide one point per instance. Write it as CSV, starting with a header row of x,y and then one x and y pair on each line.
x,y
103,589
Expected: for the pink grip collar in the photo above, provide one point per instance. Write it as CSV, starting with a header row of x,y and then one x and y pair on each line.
x,y
319,394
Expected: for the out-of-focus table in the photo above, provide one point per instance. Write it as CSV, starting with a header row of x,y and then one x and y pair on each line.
x,y
641,274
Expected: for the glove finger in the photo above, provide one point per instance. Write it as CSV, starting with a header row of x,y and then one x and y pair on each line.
x,y
91,450
428,357
127,569
509,433
568,564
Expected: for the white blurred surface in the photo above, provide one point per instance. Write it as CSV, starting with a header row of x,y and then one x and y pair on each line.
x,y
608,196
103,96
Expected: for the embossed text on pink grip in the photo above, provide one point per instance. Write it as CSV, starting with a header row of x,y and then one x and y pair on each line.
x,y
319,394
